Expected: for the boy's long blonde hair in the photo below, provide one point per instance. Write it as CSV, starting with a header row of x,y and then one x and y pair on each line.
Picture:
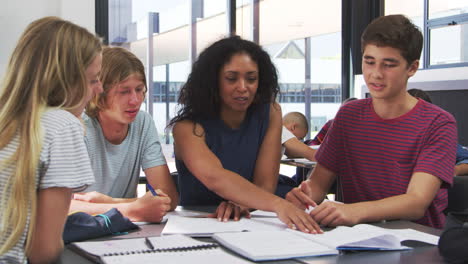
x,y
117,65
47,69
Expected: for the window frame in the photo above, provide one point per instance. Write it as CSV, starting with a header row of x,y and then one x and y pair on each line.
x,y
430,24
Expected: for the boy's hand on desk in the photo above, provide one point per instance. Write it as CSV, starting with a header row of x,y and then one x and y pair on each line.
x,y
149,208
300,196
332,214
296,218
93,197
227,210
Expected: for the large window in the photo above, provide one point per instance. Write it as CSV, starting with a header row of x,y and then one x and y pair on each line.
x,y
289,31
129,26
307,53
303,38
445,27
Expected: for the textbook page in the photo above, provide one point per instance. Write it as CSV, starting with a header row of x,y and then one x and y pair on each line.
x,y
261,213
411,234
367,236
343,235
203,227
272,245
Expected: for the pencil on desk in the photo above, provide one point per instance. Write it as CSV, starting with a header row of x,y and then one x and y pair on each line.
x,y
148,243
151,189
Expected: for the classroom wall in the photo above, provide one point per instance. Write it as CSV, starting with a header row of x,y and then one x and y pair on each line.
x,y
16,15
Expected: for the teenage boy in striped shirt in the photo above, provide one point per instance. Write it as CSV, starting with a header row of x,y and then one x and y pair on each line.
x,y
392,154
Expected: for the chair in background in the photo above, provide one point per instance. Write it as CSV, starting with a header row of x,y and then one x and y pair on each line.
x,y
175,178
458,195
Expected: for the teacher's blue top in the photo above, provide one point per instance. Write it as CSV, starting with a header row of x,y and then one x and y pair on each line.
x,y
237,149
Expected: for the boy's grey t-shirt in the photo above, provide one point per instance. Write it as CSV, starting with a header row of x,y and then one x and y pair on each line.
x,y
117,167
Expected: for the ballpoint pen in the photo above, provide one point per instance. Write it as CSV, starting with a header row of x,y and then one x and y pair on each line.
x,y
151,189
148,243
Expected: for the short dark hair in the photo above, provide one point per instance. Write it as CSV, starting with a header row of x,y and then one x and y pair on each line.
x,y
418,93
298,118
395,31
200,97
348,100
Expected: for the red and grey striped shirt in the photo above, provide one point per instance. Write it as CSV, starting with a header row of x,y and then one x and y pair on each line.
x,y
375,158
318,139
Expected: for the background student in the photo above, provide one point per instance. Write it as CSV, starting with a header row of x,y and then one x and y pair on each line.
x,y
461,165
318,139
295,128
121,139
303,173
52,73
227,134
392,154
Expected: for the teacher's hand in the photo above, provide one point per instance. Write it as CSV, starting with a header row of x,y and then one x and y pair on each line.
x,y
227,210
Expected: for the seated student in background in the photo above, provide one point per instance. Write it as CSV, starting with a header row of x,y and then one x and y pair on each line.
x,y
227,134
120,140
295,128
51,75
392,154
418,93
302,173
318,139
461,165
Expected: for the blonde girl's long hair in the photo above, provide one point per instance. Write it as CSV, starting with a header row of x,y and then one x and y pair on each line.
x,y
117,65
47,69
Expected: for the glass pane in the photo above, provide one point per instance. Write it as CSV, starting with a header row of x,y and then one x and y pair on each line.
x,y
410,8
213,7
211,29
413,9
128,27
449,44
244,19
443,8
284,26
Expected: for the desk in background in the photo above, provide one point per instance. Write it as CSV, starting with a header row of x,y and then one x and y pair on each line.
x,y
304,165
421,252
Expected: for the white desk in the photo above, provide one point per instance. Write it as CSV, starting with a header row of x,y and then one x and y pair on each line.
x,y
422,253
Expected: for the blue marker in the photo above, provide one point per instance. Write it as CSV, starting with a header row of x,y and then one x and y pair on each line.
x,y
151,189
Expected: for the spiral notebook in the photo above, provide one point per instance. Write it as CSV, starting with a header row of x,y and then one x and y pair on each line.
x,y
167,249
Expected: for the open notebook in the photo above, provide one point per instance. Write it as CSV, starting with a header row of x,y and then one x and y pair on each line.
x,y
206,227
284,244
168,249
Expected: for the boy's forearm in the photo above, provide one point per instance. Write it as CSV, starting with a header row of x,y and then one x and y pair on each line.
x,y
461,169
96,208
391,208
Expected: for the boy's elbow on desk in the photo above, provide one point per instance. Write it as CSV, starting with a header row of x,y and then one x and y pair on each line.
x,y
416,213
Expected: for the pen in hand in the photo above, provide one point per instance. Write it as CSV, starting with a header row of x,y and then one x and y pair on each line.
x,y
151,189
149,244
